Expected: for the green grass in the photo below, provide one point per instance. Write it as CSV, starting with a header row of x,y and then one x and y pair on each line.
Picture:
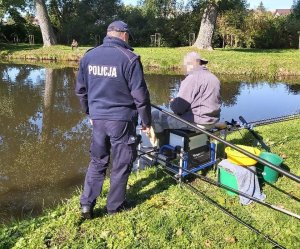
x,y
167,215
270,64
38,53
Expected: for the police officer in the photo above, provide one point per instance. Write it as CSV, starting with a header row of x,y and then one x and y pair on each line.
x,y
112,91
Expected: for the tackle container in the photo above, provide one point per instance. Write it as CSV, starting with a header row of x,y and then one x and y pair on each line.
x,y
239,158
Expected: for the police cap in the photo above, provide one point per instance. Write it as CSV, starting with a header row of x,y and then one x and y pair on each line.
x,y
118,26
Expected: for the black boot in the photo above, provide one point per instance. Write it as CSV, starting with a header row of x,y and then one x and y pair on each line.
x,y
87,212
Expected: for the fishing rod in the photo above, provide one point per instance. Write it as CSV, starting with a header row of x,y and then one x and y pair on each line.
x,y
236,126
273,186
275,120
249,126
167,170
220,185
261,160
254,134
224,210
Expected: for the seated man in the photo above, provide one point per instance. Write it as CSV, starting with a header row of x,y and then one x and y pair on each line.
x,y
74,44
198,100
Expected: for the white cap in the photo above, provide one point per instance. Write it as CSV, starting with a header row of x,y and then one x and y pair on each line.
x,y
194,56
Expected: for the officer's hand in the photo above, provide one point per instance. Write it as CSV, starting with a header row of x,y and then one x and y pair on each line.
x,y
146,129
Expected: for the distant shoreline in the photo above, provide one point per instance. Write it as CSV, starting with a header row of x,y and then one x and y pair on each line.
x,y
256,63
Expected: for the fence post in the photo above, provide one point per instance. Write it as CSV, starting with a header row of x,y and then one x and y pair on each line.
x,y
192,38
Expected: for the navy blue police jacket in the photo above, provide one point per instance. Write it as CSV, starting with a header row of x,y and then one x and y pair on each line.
x,y
110,83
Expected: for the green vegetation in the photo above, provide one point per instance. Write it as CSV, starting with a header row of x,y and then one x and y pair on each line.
x,y
38,53
166,215
270,64
250,62
175,20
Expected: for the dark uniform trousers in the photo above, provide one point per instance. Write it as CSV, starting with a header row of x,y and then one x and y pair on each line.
x,y
119,136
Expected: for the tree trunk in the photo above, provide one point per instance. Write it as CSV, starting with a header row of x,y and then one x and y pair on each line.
x,y
45,24
207,27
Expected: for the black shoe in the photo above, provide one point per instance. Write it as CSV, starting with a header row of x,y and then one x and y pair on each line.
x,y
87,212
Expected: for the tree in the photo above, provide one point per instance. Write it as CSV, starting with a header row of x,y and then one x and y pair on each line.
x,y
161,8
261,7
83,20
207,27
209,18
48,35
296,9
9,10
166,17
230,26
14,7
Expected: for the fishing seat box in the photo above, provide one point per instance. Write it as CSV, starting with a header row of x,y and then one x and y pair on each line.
x,y
196,146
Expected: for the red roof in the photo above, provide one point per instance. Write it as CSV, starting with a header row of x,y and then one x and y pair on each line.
x,y
282,12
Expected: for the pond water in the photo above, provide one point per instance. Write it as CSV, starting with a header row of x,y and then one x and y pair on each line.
x,y
44,137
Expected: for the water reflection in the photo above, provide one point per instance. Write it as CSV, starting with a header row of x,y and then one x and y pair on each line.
x,y
161,87
44,138
229,92
258,100
294,89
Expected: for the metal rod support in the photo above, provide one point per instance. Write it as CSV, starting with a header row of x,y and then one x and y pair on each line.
x,y
217,184
262,161
224,210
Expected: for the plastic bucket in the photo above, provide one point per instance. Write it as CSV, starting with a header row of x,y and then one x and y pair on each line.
x,y
239,158
271,175
228,179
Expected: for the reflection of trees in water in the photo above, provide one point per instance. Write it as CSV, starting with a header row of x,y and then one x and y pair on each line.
x,y
18,99
21,73
48,103
33,163
18,102
66,105
160,87
229,92
61,106
293,88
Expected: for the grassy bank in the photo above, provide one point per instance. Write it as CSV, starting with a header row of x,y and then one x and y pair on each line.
x,y
271,64
166,215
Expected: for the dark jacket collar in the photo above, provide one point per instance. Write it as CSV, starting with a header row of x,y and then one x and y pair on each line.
x,y
114,41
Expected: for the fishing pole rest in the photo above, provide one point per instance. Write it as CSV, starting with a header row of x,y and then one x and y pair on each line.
x,y
180,150
193,150
184,146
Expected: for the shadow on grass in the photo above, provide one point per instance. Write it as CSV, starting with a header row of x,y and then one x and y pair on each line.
x,y
245,138
262,182
135,197
163,183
